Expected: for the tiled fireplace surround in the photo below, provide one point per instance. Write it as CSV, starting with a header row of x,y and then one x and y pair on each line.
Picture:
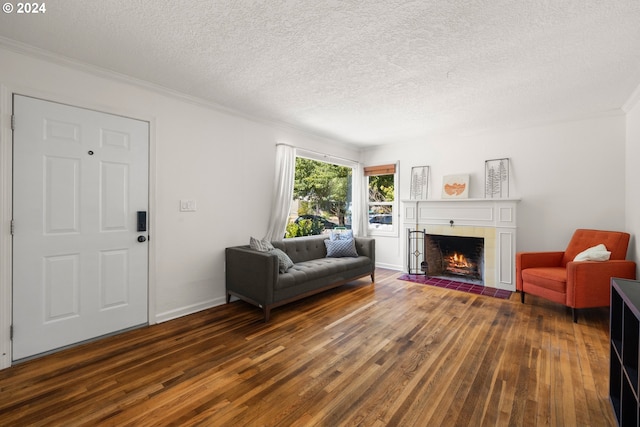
x,y
492,219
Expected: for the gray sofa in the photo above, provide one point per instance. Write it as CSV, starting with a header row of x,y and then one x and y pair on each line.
x,y
254,276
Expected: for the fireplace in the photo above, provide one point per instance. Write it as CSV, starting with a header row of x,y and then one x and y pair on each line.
x,y
492,221
458,257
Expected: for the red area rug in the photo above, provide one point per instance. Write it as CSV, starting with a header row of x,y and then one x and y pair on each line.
x,y
458,286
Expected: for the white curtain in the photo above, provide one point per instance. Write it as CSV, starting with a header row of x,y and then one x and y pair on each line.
x,y
359,204
282,192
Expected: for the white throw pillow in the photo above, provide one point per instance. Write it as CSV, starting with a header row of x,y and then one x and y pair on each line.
x,y
343,235
596,253
260,245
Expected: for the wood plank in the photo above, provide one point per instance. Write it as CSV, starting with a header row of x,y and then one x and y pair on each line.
x,y
389,353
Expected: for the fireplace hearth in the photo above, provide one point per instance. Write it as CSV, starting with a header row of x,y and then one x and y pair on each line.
x,y
457,257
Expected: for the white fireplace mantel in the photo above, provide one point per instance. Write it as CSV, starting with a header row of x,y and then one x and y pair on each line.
x,y
492,219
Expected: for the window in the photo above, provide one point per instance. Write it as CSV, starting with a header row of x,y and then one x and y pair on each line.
x,y
382,199
321,197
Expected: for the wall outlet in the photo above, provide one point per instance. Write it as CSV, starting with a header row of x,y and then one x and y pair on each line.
x,y
187,205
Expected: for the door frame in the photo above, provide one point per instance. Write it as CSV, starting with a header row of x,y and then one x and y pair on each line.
x,y
6,201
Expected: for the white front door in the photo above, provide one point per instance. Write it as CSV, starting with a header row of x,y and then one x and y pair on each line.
x,y
79,263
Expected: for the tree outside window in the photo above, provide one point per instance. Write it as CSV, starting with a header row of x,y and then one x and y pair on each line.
x,y
321,198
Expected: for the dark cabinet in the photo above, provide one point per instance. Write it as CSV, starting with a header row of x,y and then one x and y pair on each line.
x,y
624,332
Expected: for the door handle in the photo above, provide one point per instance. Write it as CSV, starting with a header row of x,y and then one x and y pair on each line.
x,y
142,239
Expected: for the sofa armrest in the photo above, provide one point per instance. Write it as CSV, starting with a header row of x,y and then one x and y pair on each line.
x,y
366,246
594,280
251,274
535,259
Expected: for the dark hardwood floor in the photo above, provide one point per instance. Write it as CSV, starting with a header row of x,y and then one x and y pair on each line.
x,y
390,354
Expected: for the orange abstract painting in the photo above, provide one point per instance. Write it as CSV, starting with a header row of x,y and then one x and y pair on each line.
x,y
455,187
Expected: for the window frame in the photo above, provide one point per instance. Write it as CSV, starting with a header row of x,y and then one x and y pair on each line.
x,y
377,170
325,158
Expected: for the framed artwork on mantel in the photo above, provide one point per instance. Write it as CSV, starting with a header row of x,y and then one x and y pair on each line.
x,y
419,182
496,178
455,187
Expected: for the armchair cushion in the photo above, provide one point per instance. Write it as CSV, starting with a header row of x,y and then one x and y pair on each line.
x,y
526,260
554,278
616,241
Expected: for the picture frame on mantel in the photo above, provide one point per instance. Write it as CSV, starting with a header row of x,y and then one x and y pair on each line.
x,y
496,178
419,183
455,187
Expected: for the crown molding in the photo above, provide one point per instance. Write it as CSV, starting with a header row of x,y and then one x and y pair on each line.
x,y
42,54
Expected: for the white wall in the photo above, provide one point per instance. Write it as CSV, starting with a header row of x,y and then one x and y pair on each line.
x,y
223,161
568,175
633,177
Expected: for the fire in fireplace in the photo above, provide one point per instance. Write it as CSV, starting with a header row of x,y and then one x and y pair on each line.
x,y
455,256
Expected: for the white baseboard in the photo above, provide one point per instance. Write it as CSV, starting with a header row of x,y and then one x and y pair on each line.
x,y
190,309
390,266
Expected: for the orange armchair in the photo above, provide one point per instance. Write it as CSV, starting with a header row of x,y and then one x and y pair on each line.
x,y
555,276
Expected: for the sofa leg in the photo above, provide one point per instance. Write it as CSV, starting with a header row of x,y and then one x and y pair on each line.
x,y
267,313
373,277
522,297
574,314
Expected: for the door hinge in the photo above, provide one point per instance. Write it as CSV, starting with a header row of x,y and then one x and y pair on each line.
x,y
13,227
13,122
11,332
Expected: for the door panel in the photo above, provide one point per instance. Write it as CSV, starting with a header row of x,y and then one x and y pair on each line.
x,y
61,196
114,185
114,274
80,176
61,290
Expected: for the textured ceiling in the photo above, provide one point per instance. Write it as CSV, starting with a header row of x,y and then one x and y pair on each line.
x,y
366,72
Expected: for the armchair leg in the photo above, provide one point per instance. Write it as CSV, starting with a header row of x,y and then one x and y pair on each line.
x,y
574,314
522,297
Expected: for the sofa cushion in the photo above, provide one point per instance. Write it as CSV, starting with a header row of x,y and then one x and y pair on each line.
x,y
319,269
341,248
284,262
303,248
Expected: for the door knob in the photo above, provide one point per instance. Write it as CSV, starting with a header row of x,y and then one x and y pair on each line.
x,y
142,239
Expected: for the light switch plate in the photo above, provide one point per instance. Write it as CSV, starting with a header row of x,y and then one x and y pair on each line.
x,y
187,205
